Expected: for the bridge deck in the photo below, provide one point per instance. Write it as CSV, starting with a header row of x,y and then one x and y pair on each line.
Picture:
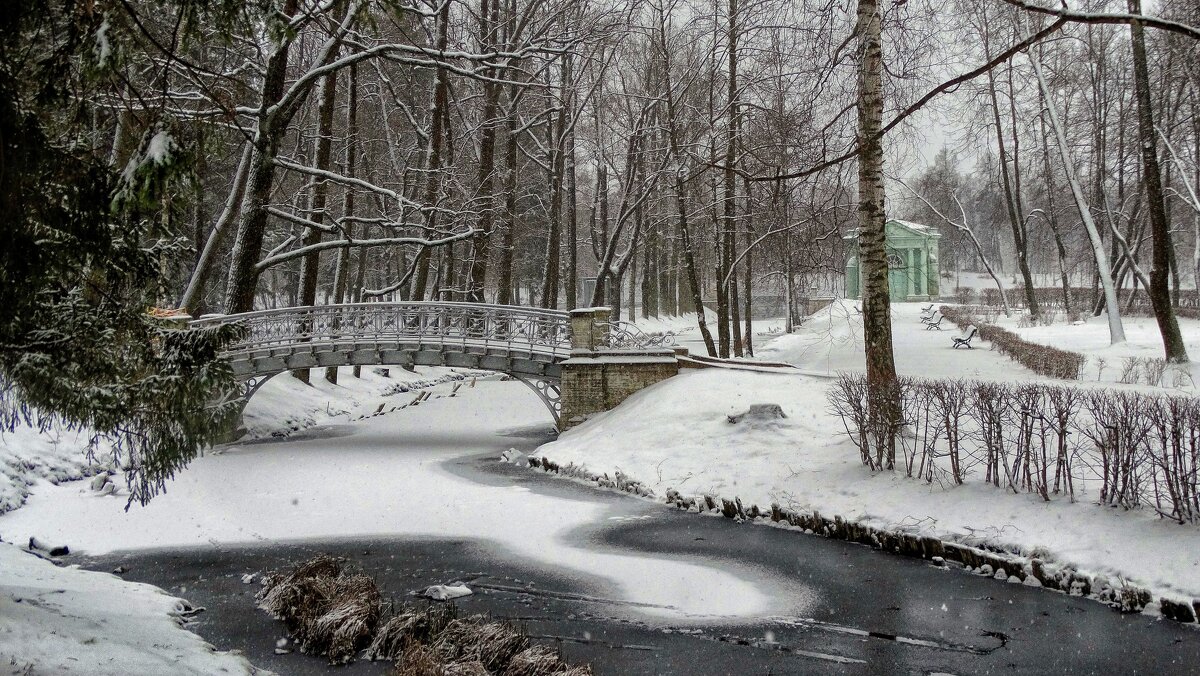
x,y
517,340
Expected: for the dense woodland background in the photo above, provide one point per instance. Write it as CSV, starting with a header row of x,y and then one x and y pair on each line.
x,y
220,157
504,150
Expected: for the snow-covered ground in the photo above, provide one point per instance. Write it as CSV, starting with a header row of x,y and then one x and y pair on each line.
x,y
687,334
831,340
64,620
384,476
1106,362
675,435
27,456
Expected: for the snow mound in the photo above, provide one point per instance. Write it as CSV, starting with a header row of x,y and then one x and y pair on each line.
x,y
72,621
446,592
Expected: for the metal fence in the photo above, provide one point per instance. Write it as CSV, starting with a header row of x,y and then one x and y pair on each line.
x,y
516,329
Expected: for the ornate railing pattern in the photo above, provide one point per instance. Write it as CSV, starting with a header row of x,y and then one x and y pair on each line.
x,y
625,336
515,329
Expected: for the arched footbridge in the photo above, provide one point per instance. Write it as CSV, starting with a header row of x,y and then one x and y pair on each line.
x,y
533,345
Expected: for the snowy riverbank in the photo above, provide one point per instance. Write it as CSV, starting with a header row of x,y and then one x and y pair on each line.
x,y
675,435
65,620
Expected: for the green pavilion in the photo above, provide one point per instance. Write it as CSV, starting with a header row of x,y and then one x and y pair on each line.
x,y
912,255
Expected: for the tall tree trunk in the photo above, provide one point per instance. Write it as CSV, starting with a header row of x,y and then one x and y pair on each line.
x,y
554,142
572,274
1116,330
1052,213
504,284
729,225
433,156
693,274
686,248
193,296
310,264
1012,208
883,395
247,247
340,281
489,15
1159,291
748,336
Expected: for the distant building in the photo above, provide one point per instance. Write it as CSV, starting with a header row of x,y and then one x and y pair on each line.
x,y
912,256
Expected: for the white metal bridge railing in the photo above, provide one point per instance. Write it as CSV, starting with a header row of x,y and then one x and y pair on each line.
x,y
469,325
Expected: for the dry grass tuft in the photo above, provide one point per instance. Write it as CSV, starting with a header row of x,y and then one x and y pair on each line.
x,y
543,660
348,621
416,625
333,612
417,660
329,611
492,643
468,668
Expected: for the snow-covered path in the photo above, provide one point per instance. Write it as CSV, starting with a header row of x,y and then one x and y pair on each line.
x,y
832,340
384,476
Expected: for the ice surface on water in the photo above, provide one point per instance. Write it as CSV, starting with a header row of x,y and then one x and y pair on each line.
x,y
386,478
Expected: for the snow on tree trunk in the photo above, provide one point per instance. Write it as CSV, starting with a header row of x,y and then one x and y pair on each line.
x,y
1116,331
1160,293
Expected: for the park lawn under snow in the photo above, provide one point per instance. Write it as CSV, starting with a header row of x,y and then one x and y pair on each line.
x,y
831,340
1105,360
675,435
65,620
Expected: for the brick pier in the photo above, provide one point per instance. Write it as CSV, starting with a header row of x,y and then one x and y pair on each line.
x,y
596,378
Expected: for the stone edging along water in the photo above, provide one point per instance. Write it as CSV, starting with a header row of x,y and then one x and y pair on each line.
x,y
1001,564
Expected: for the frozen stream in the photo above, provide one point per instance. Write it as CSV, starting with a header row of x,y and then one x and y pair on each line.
x,y
385,477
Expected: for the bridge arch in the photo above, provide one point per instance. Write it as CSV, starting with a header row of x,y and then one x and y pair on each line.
x,y
578,363
528,344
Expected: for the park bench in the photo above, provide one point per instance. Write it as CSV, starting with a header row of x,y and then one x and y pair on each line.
x,y
928,312
934,322
965,339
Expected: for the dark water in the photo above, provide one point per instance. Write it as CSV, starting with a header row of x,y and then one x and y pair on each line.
x,y
874,613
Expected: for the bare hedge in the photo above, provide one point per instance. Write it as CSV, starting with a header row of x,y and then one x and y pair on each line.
x,y
1043,359
1081,299
1142,450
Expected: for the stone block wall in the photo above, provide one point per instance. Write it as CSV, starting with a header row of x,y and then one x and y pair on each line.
x,y
599,381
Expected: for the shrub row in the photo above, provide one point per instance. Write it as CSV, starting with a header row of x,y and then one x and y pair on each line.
x,y
1034,438
1081,298
1043,359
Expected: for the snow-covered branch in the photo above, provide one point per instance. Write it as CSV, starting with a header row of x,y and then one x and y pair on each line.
x,y
1078,16
350,242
